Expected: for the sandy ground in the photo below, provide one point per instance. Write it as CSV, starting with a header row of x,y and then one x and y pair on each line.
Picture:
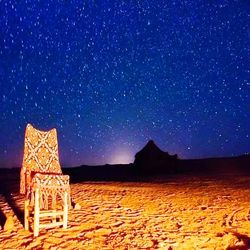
x,y
178,213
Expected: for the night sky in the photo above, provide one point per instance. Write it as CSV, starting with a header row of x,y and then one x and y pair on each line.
x,y
110,75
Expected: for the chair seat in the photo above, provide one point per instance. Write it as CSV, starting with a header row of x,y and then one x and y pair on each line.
x,y
50,181
50,185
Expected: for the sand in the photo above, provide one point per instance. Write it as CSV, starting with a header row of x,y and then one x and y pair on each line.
x,y
178,213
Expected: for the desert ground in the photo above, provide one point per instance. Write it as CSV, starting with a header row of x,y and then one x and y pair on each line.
x,y
177,212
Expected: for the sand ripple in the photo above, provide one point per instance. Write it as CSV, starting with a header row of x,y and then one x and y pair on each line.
x,y
184,213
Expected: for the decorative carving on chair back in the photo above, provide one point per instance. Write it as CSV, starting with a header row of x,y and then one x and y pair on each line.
x,y
40,155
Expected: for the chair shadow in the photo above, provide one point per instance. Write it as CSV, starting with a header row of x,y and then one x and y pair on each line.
x,y
9,186
2,218
245,240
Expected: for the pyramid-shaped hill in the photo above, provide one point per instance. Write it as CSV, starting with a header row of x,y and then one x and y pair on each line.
x,y
152,159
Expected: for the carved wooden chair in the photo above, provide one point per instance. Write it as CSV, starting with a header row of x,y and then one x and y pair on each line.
x,y
46,189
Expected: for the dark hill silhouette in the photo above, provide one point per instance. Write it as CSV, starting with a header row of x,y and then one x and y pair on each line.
x,y
151,159
213,166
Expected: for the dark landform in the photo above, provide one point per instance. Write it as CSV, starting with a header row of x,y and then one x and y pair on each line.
x,y
151,162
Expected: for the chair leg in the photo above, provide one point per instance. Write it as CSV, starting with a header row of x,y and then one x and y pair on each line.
x,y
65,210
26,214
36,213
54,217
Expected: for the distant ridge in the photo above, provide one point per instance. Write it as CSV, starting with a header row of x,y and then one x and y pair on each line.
x,y
152,151
222,157
218,165
152,159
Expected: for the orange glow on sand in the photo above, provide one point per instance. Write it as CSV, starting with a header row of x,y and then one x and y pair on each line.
x,y
179,213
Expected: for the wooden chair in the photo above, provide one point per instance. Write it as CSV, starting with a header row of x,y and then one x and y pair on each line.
x,y
46,189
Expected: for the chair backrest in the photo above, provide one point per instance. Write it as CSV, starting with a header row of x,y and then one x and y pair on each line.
x,y
40,155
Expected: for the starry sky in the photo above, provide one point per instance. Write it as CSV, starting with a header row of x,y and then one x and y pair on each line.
x,y
110,75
